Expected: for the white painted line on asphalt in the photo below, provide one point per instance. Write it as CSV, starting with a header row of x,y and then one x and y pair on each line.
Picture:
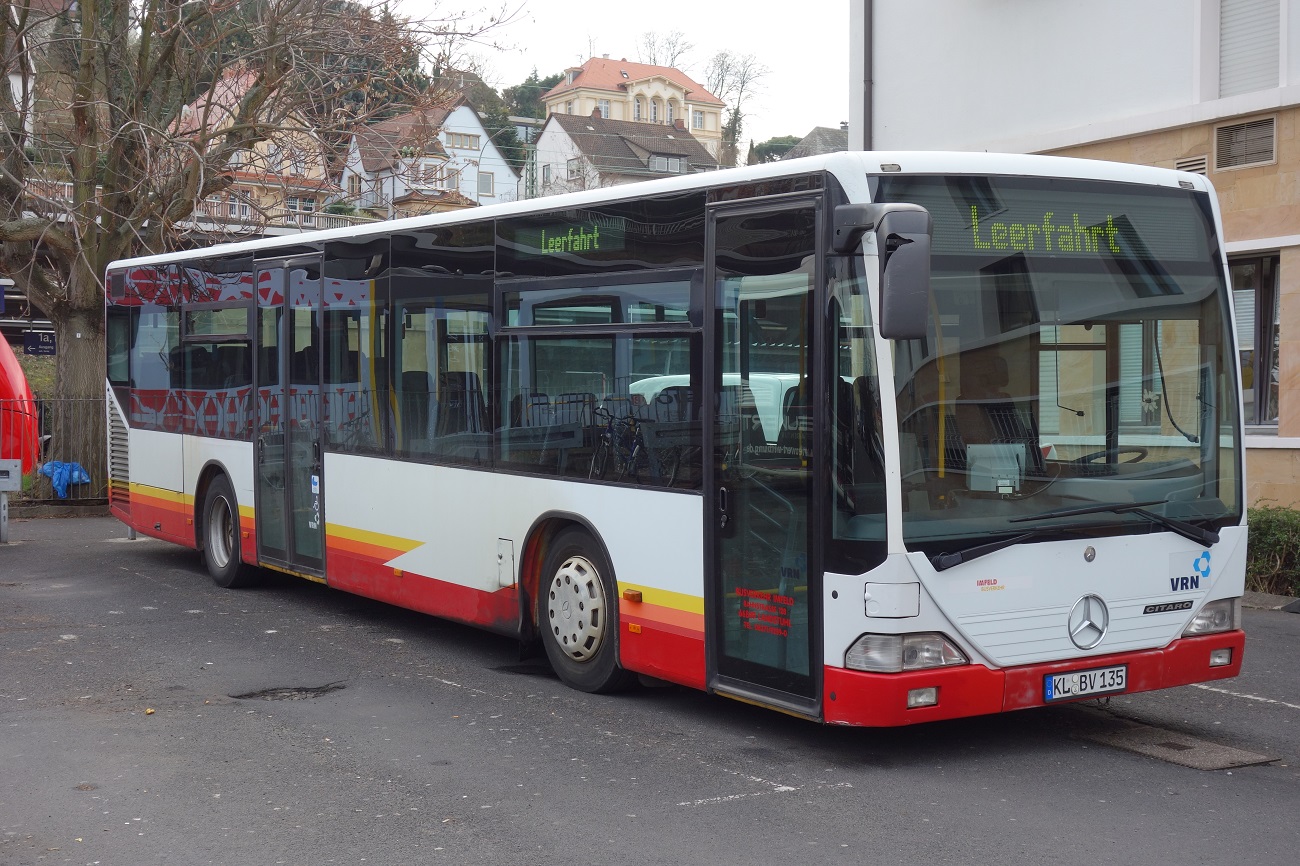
x,y
1247,697
776,789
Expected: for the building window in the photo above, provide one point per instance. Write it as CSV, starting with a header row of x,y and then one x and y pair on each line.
x,y
431,173
1249,45
301,211
574,167
666,163
672,111
1255,296
603,105
237,207
297,162
485,183
546,174
654,111
462,140
636,109
354,185
697,120
568,107
1245,144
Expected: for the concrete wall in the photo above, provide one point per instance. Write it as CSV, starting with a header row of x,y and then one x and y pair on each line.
x,y
956,74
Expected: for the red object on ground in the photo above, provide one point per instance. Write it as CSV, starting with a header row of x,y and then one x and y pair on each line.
x,y
19,427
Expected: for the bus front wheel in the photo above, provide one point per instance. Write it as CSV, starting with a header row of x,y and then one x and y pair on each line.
x,y
577,614
221,550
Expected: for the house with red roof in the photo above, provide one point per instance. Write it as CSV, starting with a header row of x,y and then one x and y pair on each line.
x,y
638,92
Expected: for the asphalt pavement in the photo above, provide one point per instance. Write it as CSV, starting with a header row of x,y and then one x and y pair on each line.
x,y
147,716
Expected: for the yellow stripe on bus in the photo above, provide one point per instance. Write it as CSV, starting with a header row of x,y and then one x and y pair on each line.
x,y
160,494
376,539
666,598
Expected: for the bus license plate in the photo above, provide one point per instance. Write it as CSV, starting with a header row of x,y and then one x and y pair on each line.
x,y
1078,684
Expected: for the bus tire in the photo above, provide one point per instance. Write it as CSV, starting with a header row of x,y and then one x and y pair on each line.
x,y
577,614
221,550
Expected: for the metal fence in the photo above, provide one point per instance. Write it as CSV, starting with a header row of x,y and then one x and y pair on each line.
x,y
51,438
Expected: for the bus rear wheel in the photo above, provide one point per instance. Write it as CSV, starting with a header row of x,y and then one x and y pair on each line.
x,y
577,615
221,550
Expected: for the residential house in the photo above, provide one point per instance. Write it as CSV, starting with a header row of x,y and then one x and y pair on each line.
x,y
1209,86
575,153
280,185
822,139
26,41
426,161
638,92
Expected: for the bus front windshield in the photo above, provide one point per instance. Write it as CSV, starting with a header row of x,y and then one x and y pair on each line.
x,y
1077,361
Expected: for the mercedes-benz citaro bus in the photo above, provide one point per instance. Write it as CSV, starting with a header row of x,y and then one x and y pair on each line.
x,y
869,438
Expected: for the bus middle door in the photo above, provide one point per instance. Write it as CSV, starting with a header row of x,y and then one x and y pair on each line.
x,y
289,480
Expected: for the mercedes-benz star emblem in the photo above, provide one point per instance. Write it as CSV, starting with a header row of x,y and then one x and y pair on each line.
x,y
1088,622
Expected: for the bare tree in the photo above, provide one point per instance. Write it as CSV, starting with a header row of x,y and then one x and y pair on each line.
x,y
129,114
663,49
734,79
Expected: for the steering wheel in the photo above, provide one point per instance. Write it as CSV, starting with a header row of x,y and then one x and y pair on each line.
x,y
1095,456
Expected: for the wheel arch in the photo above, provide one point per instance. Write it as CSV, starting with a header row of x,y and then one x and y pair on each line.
x,y
545,528
211,470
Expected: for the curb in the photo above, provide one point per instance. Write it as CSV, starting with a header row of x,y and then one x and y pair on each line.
x,y
1264,601
44,510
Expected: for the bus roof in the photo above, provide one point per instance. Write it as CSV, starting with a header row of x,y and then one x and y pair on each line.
x,y
849,167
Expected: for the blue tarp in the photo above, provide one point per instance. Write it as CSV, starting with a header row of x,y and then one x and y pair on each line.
x,y
62,474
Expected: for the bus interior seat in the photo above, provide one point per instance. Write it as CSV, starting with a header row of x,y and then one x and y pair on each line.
x,y
796,419
574,407
268,365
304,366
460,404
231,363
416,385
986,414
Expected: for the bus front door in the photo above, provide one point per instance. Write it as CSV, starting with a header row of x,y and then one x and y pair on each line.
x,y
762,585
289,481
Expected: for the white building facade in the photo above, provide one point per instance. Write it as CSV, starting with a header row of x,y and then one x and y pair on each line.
x,y
1209,86
433,160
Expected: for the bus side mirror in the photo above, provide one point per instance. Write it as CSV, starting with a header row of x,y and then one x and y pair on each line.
x,y
903,240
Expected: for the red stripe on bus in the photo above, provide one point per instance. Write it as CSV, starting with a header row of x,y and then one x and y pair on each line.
x,y
161,518
368,576
672,619
662,651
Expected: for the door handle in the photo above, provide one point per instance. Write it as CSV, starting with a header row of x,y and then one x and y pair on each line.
x,y
724,512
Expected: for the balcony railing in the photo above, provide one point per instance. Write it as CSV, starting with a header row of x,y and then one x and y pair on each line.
x,y
53,198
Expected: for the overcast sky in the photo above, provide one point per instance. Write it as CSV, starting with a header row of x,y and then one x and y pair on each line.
x,y
804,44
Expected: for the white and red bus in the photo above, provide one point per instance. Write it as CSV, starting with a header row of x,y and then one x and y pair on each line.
x,y
870,438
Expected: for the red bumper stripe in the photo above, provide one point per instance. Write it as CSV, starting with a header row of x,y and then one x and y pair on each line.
x,y
880,700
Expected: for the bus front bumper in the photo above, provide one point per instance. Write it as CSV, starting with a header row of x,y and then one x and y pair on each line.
x,y
881,700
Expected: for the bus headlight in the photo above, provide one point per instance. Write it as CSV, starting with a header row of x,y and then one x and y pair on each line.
x,y
1217,616
893,653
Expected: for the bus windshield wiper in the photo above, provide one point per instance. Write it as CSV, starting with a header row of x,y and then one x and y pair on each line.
x,y
944,561
1192,532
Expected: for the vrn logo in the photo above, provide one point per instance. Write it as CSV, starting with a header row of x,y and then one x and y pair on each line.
x,y
1200,565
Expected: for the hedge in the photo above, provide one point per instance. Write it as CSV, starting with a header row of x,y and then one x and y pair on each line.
x,y
1273,550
